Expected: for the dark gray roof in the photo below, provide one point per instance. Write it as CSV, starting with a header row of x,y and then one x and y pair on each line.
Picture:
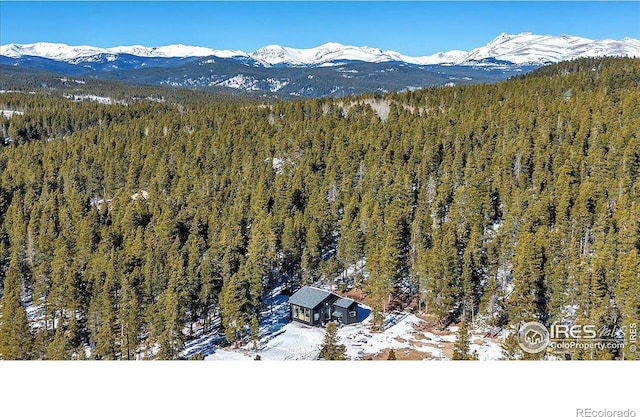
x,y
309,297
343,302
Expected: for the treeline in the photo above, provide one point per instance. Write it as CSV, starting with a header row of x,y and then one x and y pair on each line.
x,y
122,226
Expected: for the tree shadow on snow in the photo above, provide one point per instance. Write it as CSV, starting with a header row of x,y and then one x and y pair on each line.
x,y
275,317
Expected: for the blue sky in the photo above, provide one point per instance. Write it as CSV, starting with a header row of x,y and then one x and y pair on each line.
x,y
413,28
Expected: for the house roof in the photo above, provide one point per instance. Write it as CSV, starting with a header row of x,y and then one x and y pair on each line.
x,y
309,297
344,302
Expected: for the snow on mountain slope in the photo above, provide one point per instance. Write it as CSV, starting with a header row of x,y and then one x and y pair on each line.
x,y
527,48
449,57
55,51
62,52
175,51
524,48
329,52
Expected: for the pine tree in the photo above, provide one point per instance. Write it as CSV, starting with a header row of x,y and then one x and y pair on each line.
x,y
462,347
106,336
130,314
173,300
15,334
171,339
442,276
291,245
59,347
511,348
528,302
237,306
491,304
311,255
331,349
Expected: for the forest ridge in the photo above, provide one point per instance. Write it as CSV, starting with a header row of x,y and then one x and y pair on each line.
x,y
122,225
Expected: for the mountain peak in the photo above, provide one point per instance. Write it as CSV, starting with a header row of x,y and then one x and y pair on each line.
x,y
522,48
327,52
332,45
501,37
56,51
528,48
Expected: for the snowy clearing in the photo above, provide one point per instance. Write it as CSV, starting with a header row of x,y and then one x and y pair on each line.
x,y
406,333
94,98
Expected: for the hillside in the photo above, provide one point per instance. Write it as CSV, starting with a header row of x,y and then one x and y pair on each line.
x,y
489,205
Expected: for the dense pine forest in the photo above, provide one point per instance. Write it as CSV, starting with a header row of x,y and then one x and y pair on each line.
x,y
123,225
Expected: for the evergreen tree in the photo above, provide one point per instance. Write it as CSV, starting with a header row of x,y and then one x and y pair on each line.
x,y
58,349
331,349
462,347
528,302
107,333
15,334
511,348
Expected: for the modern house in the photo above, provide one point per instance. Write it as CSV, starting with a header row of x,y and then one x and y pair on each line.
x,y
345,310
317,307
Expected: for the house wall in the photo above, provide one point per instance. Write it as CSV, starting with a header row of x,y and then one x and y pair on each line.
x,y
342,311
333,308
315,322
350,319
321,310
346,318
301,319
312,321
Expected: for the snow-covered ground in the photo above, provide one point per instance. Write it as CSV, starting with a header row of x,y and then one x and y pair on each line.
x,y
94,98
9,113
406,333
400,334
240,81
280,339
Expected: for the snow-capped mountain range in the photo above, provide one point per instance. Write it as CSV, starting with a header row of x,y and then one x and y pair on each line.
x,y
521,49
331,69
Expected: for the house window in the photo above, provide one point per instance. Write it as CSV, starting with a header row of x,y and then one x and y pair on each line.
x,y
300,313
352,314
316,317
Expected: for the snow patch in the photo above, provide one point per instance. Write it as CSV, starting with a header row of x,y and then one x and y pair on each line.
x,y
277,164
94,98
241,82
9,113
